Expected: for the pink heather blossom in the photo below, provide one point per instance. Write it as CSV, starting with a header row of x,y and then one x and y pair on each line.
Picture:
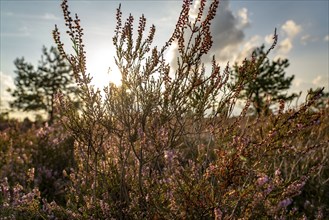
x,y
55,141
295,188
218,214
299,126
262,180
284,203
40,132
30,174
269,189
169,155
277,172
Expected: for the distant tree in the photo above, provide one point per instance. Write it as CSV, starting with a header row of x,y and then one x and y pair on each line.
x,y
35,88
269,84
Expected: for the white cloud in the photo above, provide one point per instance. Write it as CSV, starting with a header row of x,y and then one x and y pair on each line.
x,y
45,16
307,38
248,47
195,9
269,39
326,38
321,81
6,82
49,16
291,28
20,32
304,39
243,17
171,56
297,82
285,46
317,80
227,54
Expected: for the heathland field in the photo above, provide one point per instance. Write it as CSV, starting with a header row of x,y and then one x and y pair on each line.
x,y
168,142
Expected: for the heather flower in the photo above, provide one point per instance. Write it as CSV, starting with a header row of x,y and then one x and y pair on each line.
x,y
295,188
272,134
299,126
30,174
284,203
104,206
277,173
64,173
262,180
277,177
269,189
169,156
218,214
55,141
4,188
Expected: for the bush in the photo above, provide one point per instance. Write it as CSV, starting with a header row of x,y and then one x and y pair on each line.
x,y
33,158
166,146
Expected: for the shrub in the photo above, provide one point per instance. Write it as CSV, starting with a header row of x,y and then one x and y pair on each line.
x,y
165,145
32,161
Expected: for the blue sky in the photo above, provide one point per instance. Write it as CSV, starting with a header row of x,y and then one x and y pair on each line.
x,y
238,28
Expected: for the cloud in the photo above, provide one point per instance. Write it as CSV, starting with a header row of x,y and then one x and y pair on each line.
x,y
320,81
317,80
297,82
171,57
269,39
195,9
228,31
326,38
243,17
248,47
285,46
6,82
45,16
19,32
305,39
49,16
291,29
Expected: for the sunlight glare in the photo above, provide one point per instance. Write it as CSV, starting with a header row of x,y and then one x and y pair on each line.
x,y
102,68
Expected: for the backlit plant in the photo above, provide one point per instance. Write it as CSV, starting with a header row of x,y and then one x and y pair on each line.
x,y
165,143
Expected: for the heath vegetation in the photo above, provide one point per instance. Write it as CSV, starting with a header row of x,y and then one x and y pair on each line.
x,y
165,144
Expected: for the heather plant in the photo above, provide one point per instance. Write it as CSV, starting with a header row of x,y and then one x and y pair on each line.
x,y
33,157
165,144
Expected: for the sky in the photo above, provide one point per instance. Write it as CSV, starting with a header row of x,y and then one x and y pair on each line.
x,y
238,28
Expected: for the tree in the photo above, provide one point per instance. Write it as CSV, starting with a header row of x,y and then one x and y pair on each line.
x,y
268,84
35,88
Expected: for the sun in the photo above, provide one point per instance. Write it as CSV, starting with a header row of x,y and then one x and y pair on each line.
x,y
101,66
